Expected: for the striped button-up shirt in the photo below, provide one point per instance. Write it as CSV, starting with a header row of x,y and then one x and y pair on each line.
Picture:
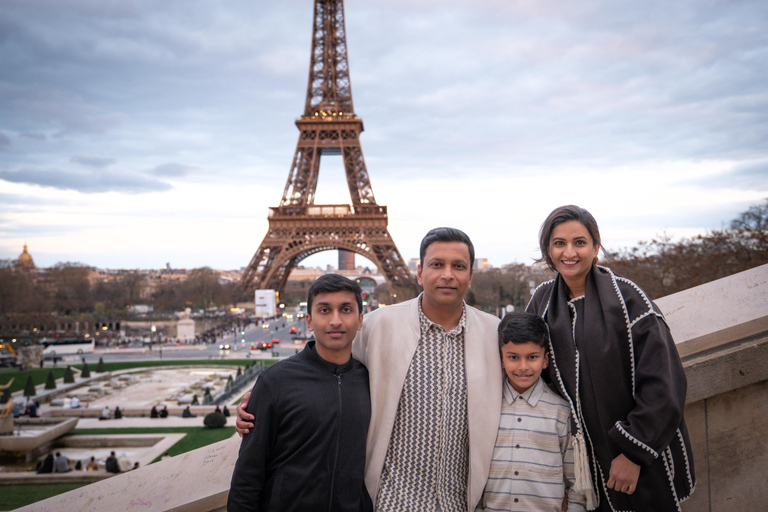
x,y
532,466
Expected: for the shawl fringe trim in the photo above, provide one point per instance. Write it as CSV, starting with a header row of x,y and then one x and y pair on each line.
x,y
581,471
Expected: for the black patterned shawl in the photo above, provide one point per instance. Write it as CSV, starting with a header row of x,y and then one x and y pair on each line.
x,y
614,359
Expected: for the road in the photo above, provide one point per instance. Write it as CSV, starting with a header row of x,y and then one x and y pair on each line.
x,y
240,347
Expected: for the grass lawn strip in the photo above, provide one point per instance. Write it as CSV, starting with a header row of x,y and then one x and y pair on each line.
x,y
39,375
196,437
20,495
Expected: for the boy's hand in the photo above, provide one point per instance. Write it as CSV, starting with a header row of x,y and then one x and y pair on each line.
x,y
242,422
624,474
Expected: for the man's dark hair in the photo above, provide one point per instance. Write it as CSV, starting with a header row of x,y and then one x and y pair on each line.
x,y
334,283
559,216
522,328
447,235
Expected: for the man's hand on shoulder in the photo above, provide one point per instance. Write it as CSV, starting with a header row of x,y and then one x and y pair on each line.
x,y
243,421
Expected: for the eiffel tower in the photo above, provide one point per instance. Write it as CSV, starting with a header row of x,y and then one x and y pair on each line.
x,y
298,227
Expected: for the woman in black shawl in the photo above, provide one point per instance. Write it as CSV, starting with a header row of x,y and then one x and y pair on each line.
x,y
614,360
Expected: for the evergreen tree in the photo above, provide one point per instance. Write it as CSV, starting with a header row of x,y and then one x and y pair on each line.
x,y
215,420
69,376
239,372
194,400
100,367
86,371
50,382
29,387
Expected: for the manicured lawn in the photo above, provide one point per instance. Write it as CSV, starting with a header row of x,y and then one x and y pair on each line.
x,y
39,375
20,495
196,437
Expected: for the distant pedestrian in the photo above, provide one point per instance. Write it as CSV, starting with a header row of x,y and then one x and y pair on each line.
x,y
153,413
61,464
111,463
164,412
118,413
124,463
47,464
74,403
105,414
187,413
225,411
92,465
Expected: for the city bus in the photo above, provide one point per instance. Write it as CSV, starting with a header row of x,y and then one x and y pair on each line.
x,y
66,346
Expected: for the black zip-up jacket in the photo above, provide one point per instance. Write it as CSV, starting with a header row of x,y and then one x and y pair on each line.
x,y
306,451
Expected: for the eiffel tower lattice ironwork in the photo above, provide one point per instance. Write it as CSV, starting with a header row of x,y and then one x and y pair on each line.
x,y
298,227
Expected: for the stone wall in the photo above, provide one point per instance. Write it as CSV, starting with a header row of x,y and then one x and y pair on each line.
x,y
721,329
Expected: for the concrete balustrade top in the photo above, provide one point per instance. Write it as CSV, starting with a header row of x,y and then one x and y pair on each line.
x,y
196,481
719,312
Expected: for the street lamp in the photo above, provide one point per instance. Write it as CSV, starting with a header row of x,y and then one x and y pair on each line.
x,y
153,329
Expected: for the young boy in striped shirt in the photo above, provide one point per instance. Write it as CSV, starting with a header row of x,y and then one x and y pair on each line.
x,y
532,466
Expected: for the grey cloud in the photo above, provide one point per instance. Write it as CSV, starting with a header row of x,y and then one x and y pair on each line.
x,y
13,199
34,136
12,228
92,161
751,176
4,141
88,182
172,170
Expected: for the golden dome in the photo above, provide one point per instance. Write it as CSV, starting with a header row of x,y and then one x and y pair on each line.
x,y
25,259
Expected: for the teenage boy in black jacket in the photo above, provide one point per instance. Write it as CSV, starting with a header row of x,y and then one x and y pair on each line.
x,y
307,448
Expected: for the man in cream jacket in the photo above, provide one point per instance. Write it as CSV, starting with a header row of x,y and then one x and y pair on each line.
x,y
435,377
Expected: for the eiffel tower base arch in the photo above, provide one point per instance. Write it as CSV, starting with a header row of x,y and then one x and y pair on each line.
x,y
293,237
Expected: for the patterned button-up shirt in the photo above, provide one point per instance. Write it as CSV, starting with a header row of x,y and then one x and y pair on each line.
x,y
426,465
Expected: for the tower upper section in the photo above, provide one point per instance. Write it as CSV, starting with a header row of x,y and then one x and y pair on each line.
x,y
329,90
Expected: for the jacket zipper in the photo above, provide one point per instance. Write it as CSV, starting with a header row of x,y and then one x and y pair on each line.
x,y
338,442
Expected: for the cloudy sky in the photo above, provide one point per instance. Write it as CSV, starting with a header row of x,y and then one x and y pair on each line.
x,y
135,134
